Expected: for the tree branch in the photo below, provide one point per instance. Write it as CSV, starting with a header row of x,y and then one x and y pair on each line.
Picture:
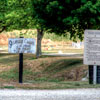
x,y
4,27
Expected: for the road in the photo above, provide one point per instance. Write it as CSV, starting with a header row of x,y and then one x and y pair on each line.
x,y
68,94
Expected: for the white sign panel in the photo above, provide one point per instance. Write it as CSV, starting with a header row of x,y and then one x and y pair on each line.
x,y
92,47
22,45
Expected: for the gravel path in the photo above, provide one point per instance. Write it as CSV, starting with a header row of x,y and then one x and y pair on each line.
x,y
69,94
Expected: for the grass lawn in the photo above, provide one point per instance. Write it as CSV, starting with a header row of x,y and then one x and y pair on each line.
x,y
49,85
43,73
64,51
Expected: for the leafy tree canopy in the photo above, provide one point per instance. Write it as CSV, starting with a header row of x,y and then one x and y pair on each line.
x,y
74,16
16,14
2,14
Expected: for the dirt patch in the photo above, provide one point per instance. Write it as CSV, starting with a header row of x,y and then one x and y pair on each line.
x,y
43,69
49,67
41,63
75,74
3,39
45,72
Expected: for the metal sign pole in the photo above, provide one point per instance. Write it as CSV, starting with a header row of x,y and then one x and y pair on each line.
x,y
21,67
94,74
19,45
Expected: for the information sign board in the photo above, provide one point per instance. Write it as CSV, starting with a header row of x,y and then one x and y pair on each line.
x,y
92,47
22,45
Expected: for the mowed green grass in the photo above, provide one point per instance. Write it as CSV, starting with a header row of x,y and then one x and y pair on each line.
x,y
78,51
49,75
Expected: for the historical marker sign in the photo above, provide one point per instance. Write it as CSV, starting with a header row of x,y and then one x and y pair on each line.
x,y
22,45
92,47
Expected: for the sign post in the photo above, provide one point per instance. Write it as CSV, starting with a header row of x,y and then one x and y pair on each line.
x,y
92,50
21,68
20,46
94,74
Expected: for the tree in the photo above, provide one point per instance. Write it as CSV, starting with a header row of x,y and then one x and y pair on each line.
x,y
73,16
58,16
21,13
2,15
18,14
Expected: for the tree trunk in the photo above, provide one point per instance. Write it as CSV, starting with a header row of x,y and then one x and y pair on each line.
x,y
2,29
39,39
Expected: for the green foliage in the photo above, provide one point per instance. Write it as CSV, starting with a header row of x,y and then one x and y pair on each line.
x,y
16,14
55,37
74,16
2,13
58,16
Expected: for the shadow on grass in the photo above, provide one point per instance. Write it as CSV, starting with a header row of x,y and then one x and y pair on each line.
x,y
62,64
5,54
9,59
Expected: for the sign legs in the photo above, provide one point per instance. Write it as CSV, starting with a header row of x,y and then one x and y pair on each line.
x,y
94,74
21,68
